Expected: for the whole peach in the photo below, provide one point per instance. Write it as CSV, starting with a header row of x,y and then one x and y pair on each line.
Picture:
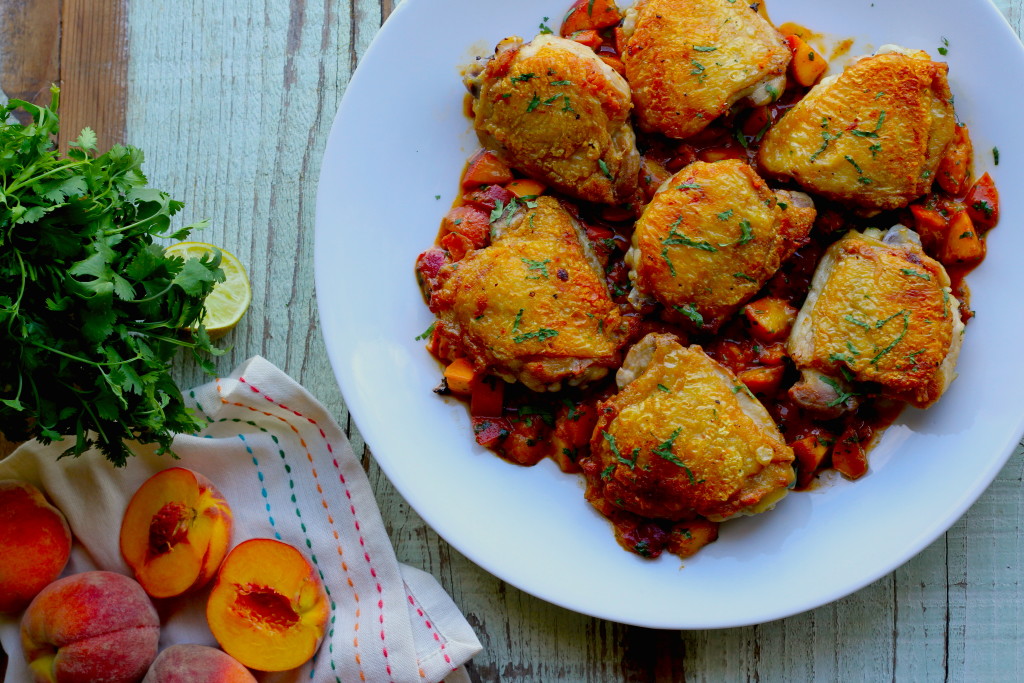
x,y
35,543
191,663
93,627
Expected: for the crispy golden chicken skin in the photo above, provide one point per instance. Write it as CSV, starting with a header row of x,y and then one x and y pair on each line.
x,y
554,111
871,137
534,305
710,238
684,438
689,61
879,310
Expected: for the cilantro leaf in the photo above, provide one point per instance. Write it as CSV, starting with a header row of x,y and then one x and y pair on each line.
x,y
92,313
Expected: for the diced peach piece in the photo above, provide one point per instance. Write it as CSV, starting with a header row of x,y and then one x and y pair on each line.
x,y
954,170
175,532
963,246
485,168
770,318
772,354
268,608
763,380
456,245
190,663
810,453
590,14
526,187
487,396
689,537
88,627
574,425
930,225
35,543
982,203
488,198
807,65
588,37
470,222
848,455
491,432
459,374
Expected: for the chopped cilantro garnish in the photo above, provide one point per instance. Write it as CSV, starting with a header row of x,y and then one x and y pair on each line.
x,y
903,333
540,267
675,237
691,312
842,395
540,335
427,332
914,273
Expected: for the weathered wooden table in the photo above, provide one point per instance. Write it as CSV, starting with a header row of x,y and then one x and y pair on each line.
x,y
232,102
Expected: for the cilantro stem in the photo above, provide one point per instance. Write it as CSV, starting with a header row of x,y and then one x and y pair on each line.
x,y
82,360
21,183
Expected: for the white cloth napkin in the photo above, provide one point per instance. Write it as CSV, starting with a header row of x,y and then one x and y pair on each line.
x,y
289,473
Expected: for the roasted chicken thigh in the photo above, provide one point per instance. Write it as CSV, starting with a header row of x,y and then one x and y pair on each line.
x,y
879,310
534,305
683,438
872,136
709,240
554,111
689,61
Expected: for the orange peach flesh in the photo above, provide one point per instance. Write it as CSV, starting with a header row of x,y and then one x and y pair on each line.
x,y
35,543
268,608
175,532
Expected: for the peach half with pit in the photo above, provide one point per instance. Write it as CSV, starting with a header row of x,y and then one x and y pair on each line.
x,y
268,608
192,663
35,543
175,532
90,627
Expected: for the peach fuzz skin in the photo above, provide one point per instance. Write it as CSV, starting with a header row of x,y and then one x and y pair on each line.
x,y
192,663
93,627
35,543
268,608
175,532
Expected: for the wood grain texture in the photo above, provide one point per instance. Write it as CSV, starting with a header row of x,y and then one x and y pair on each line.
x,y
78,45
232,103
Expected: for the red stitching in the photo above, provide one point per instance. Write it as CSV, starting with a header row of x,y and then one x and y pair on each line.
x,y
433,631
352,508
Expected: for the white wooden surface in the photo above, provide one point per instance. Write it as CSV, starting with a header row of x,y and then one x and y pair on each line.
x,y
232,102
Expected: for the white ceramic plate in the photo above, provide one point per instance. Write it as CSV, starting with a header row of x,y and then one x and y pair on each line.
x,y
390,172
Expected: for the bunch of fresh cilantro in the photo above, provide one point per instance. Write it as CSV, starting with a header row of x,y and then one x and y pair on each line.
x,y
91,311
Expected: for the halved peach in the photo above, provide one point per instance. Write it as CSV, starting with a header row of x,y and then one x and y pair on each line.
x,y
175,532
268,608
